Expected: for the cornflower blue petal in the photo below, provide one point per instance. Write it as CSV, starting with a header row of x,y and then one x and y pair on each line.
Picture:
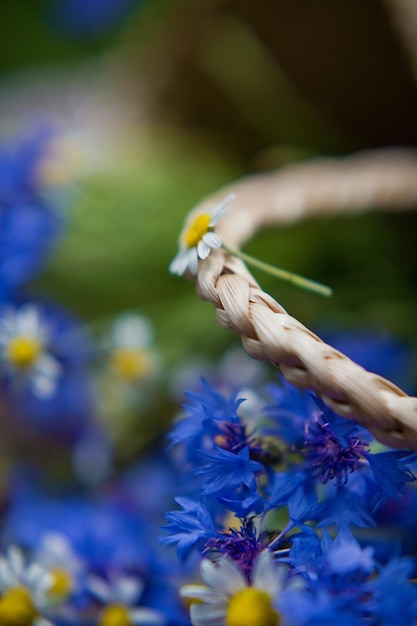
x,y
344,509
227,471
391,471
208,415
345,555
251,502
216,405
394,599
305,551
301,506
188,527
285,483
320,608
291,410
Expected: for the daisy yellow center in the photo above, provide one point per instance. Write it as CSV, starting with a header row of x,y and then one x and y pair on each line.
x,y
115,615
17,608
251,607
23,351
197,229
131,364
62,583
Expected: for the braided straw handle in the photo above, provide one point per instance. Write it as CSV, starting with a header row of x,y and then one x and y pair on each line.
x,y
383,180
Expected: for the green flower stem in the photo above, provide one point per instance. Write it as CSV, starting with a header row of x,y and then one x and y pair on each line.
x,y
295,279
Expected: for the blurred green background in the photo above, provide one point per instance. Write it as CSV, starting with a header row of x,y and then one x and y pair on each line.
x,y
177,98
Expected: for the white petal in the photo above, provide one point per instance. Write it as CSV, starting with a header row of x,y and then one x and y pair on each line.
x,y
7,579
45,376
28,322
266,574
41,621
48,366
223,576
179,264
37,577
43,387
16,561
127,590
99,588
221,209
193,261
200,592
203,249
212,240
146,616
132,331
207,615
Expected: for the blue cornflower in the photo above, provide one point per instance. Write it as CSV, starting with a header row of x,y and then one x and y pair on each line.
x,y
333,446
189,526
394,596
391,472
290,412
244,502
29,221
227,471
209,414
344,579
336,452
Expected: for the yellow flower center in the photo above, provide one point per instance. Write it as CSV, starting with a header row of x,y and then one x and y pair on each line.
x,y
62,584
131,364
197,229
17,608
23,351
115,615
251,607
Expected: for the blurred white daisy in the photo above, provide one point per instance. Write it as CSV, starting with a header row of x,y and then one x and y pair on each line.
x,y
24,356
119,597
57,556
132,355
23,590
228,598
198,239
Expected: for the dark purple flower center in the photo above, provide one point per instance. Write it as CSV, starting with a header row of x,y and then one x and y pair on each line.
x,y
241,545
329,458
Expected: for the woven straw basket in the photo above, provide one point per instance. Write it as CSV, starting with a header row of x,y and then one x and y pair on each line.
x,y
383,180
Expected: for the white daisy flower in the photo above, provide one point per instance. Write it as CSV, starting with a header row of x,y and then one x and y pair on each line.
x,y
228,598
23,350
57,556
198,239
23,590
119,597
133,357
